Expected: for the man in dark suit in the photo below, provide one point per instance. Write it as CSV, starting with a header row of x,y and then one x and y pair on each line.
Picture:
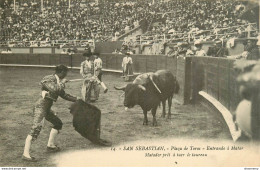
x,y
252,49
218,50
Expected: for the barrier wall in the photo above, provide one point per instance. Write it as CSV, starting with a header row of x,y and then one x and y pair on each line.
x,y
216,77
20,50
141,63
35,59
108,46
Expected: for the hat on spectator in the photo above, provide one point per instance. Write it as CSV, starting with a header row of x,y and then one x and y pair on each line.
x,y
96,53
218,42
184,44
179,44
87,54
197,42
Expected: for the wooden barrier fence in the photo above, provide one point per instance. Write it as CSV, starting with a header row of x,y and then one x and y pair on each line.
x,y
215,76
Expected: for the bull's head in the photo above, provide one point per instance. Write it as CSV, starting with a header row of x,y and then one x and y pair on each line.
x,y
132,93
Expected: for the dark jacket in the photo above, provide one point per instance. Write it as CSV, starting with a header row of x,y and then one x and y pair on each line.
x,y
49,83
253,54
217,52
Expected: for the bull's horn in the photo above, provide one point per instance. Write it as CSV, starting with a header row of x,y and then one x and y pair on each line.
x,y
120,88
142,87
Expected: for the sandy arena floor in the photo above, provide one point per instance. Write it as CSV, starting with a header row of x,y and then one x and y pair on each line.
x,y
19,90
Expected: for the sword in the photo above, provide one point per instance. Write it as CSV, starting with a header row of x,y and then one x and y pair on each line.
x,y
74,80
98,81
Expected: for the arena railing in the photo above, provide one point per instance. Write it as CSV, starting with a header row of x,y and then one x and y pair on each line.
x,y
248,29
251,27
51,43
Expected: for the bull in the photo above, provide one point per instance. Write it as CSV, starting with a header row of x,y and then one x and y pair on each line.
x,y
148,90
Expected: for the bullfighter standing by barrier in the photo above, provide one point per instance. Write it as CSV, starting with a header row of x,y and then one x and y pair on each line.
x,y
52,87
127,67
90,89
97,66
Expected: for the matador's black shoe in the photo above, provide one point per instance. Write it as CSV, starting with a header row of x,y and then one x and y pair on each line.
x,y
31,159
53,149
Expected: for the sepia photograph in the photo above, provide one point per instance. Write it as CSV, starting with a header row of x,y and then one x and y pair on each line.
x,y
129,83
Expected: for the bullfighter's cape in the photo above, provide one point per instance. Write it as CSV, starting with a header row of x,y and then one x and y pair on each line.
x,y
86,121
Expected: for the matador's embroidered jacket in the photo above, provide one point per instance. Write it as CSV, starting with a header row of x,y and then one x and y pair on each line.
x,y
53,88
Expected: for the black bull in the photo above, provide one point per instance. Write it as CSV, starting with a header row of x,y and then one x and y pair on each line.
x,y
149,91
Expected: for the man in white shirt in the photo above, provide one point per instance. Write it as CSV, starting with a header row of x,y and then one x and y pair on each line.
x,y
97,66
199,51
127,66
90,88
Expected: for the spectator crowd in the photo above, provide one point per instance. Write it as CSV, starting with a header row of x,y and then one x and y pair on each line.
x,y
199,19
101,20
82,20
